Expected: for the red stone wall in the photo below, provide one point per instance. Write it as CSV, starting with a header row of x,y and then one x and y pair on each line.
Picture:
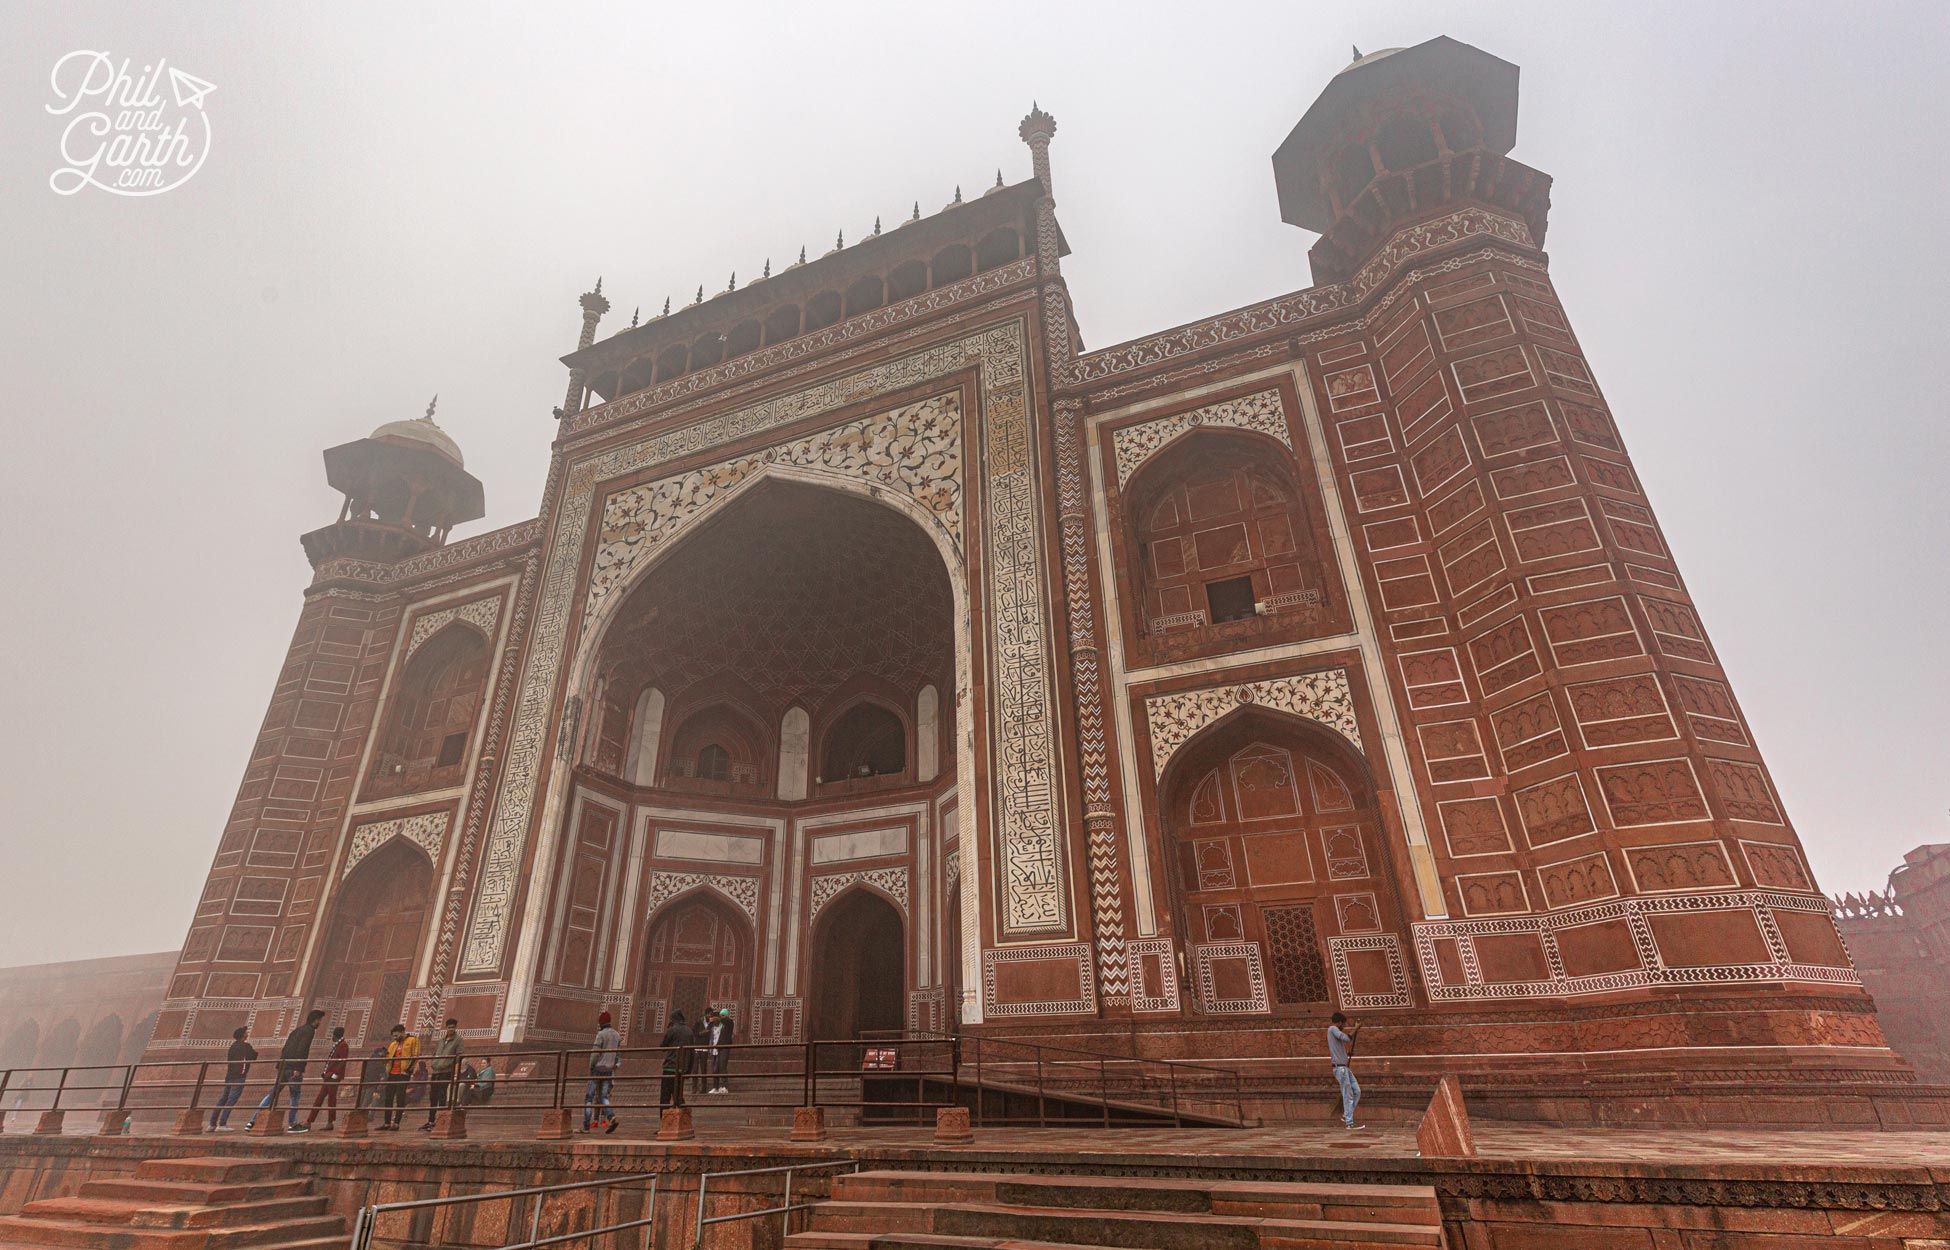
x,y
266,885
1573,736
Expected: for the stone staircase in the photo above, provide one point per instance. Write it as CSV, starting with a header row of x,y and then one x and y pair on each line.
x,y
903,1210
182,1204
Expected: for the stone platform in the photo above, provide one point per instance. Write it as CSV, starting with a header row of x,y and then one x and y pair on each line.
x,y
1530,1188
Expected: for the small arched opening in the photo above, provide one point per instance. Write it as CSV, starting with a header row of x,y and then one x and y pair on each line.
x,y
1220,535
718,749
951,264
865,743
823,310
781,324
998,248
423,745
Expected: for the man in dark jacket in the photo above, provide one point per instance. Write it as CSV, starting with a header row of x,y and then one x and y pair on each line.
x,y
291,1072
238,1062
676,1044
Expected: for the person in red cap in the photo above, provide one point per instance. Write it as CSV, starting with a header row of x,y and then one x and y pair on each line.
x,y
604,1057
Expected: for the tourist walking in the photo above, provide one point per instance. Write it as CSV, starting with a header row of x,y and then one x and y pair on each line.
x,y
1340,1044
401,1053
721,1031
372,1078
291,1073
237,1068
446,1069
605,1056
676,1044
329,1081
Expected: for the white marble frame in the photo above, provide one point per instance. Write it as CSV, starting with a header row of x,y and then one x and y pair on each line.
x,y
1389,757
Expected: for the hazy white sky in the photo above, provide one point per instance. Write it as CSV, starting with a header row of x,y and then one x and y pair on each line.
x,y
403,199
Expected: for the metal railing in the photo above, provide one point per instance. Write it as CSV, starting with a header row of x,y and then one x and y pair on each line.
x,y
784,1210
1116,1087
903,1078
366,1222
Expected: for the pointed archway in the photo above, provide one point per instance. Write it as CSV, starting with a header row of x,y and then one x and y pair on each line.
x,y
858,977
1278,852
698,957
378,924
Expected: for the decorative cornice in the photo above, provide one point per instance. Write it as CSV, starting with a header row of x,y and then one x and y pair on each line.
x,y
767,359
1301,307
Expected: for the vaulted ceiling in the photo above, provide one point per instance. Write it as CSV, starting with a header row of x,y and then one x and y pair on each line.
x,y
792,591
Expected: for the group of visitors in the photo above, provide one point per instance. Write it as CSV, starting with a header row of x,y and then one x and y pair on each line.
x,y
708,1044
405,1069
392,1078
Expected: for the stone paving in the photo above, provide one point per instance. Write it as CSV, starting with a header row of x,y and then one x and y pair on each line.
x,y
1813,1148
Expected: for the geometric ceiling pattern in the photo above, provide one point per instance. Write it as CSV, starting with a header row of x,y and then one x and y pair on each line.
x,y
793,590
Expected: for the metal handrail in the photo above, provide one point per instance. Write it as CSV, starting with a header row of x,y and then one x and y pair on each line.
x,y
367,1219
934,1070
784,1211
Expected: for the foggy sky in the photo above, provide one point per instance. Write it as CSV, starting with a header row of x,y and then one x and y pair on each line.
x,y
400,199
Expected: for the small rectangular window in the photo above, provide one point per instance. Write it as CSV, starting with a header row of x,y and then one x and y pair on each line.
x,y
1229,600
451,748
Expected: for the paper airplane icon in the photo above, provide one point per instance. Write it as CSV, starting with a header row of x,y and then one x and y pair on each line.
x,y
189,89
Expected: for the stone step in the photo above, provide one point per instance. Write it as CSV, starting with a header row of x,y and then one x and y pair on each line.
x,y
1080,1226
193,1193
213,1171
1362,1203
148,1213
941,1241
83,1235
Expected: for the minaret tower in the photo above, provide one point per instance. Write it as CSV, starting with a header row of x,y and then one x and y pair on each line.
x,y
405,488
1402,134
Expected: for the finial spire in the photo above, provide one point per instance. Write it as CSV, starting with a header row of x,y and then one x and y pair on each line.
x,y
957,198
700,294
998,175
599,284
633,315
733,284
917,211
802,253
876,225
839,240
431,404
768,268
1357,51
666,305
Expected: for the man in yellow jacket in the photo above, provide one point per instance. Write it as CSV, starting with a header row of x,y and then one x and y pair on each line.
x,y
401,1054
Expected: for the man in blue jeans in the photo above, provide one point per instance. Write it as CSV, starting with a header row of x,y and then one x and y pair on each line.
x,y
238,1061
1340,1040
291,1072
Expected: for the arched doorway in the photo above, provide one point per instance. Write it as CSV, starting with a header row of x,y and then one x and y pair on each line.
x,y
378,924
858,969
102,1043
1277,849
951,960
699,958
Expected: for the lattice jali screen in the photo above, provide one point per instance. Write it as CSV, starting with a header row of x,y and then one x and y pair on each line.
x,y
1299,976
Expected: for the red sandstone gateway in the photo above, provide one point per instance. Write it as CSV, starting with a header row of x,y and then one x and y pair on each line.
x,y
883,659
